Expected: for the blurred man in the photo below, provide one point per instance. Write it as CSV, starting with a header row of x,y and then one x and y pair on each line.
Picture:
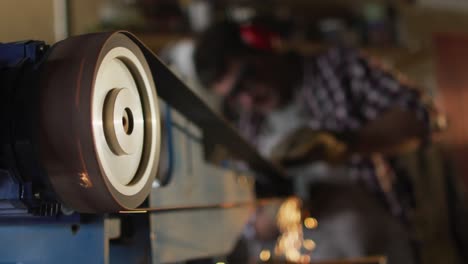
x,y
336,106
340,91
280,100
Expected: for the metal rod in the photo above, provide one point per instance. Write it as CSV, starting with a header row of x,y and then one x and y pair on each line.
x,y
227,205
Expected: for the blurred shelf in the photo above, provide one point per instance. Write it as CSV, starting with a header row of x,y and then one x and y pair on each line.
x,y
157,41
412,63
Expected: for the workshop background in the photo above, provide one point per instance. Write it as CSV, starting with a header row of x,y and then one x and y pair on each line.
x,y
426,40
410,35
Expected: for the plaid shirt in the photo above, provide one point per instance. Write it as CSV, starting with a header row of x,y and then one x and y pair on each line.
x,y
342,91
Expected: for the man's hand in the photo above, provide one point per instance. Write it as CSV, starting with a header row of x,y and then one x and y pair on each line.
x,y
396,131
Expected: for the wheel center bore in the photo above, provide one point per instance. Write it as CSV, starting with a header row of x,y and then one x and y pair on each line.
x,y
127,121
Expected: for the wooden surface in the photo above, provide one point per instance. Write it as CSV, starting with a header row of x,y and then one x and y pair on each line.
x,y
27,19
452,78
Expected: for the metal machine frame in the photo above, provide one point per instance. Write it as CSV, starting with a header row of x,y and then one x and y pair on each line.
x,y
198,198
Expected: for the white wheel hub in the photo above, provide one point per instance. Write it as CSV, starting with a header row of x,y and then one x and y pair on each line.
x,y
126,127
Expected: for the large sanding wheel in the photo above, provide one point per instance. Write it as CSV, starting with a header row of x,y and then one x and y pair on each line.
x,y
99,123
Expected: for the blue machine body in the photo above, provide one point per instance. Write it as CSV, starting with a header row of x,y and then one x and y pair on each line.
x,y
13,54
31,228
17,195
53,243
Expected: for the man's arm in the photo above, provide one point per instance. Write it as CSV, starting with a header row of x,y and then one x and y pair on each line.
x,y
392,112
396,130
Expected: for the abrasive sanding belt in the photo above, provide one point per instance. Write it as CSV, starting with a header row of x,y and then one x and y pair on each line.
x,y
72,133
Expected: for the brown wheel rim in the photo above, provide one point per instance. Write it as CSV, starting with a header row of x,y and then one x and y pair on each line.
x,y
99,123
